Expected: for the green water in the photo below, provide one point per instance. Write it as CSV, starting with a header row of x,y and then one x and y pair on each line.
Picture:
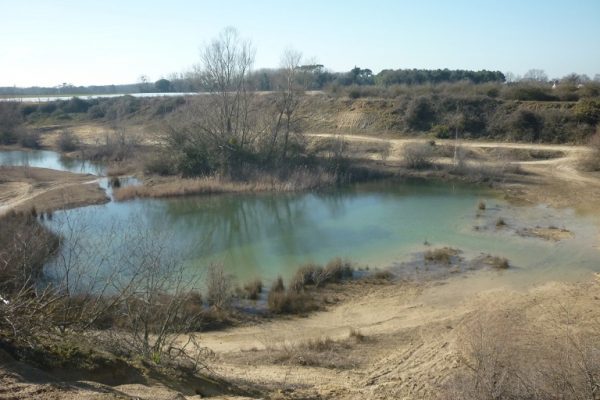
x,y
49,159
378,224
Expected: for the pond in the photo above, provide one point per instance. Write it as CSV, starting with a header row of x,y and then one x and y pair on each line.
x,y
380,224
51,160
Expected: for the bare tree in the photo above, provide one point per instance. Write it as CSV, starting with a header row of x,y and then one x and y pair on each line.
x,y
289,92
226,64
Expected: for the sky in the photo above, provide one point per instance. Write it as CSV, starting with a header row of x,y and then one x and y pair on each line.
x,y
87,42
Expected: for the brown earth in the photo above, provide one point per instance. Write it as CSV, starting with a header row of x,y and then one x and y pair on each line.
x,y
22,188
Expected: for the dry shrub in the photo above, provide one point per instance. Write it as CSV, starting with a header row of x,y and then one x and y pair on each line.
x,y
219,286
253,289
337,270
591,161
291,302
116,146
277,285
418,155
30,139
305,275
497,262
444,255
25,245
67,141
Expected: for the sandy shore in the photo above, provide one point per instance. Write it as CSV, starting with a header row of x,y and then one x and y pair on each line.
x,y
22,188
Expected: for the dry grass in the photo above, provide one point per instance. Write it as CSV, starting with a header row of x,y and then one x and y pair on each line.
x,y
546,351
323,352
173,187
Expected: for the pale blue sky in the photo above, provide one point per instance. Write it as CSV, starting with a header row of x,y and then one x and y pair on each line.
x,y
115,41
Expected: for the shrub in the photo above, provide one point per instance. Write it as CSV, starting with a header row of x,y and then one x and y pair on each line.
x,y
305,275
219,285
75,105
290,302
335,271
160,164
67,141
10,121
441,256
25,245
418,155
30,139
591,161
500,223
527,125
420,114
481,205
253,289
588,111
277,285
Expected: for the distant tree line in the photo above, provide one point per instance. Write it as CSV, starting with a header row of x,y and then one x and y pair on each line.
x,y
317,77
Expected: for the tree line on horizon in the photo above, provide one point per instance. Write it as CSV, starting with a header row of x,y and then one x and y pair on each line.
x,y
313,77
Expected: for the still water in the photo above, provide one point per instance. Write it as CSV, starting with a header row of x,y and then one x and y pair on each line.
x,y
379,224
49,159
382,224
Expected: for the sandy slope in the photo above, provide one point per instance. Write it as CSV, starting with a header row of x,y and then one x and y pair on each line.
x,y
413,336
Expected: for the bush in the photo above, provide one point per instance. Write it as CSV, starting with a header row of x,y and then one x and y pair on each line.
x,y
75,105
160,164
591,162
441,256
10,122
529,92
290,302
527,125
418,155
277,285
587,111
305,275
25,246
421,114
335,271
219,287
30,139
253,289
67,141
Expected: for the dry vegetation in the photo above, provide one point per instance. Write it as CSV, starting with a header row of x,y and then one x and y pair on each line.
x,y
300,179
508,355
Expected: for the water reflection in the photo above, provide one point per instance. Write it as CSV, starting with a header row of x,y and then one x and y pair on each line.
x,y
378,224
51,160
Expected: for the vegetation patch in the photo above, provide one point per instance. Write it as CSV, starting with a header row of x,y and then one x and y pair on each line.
x,y
444,255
